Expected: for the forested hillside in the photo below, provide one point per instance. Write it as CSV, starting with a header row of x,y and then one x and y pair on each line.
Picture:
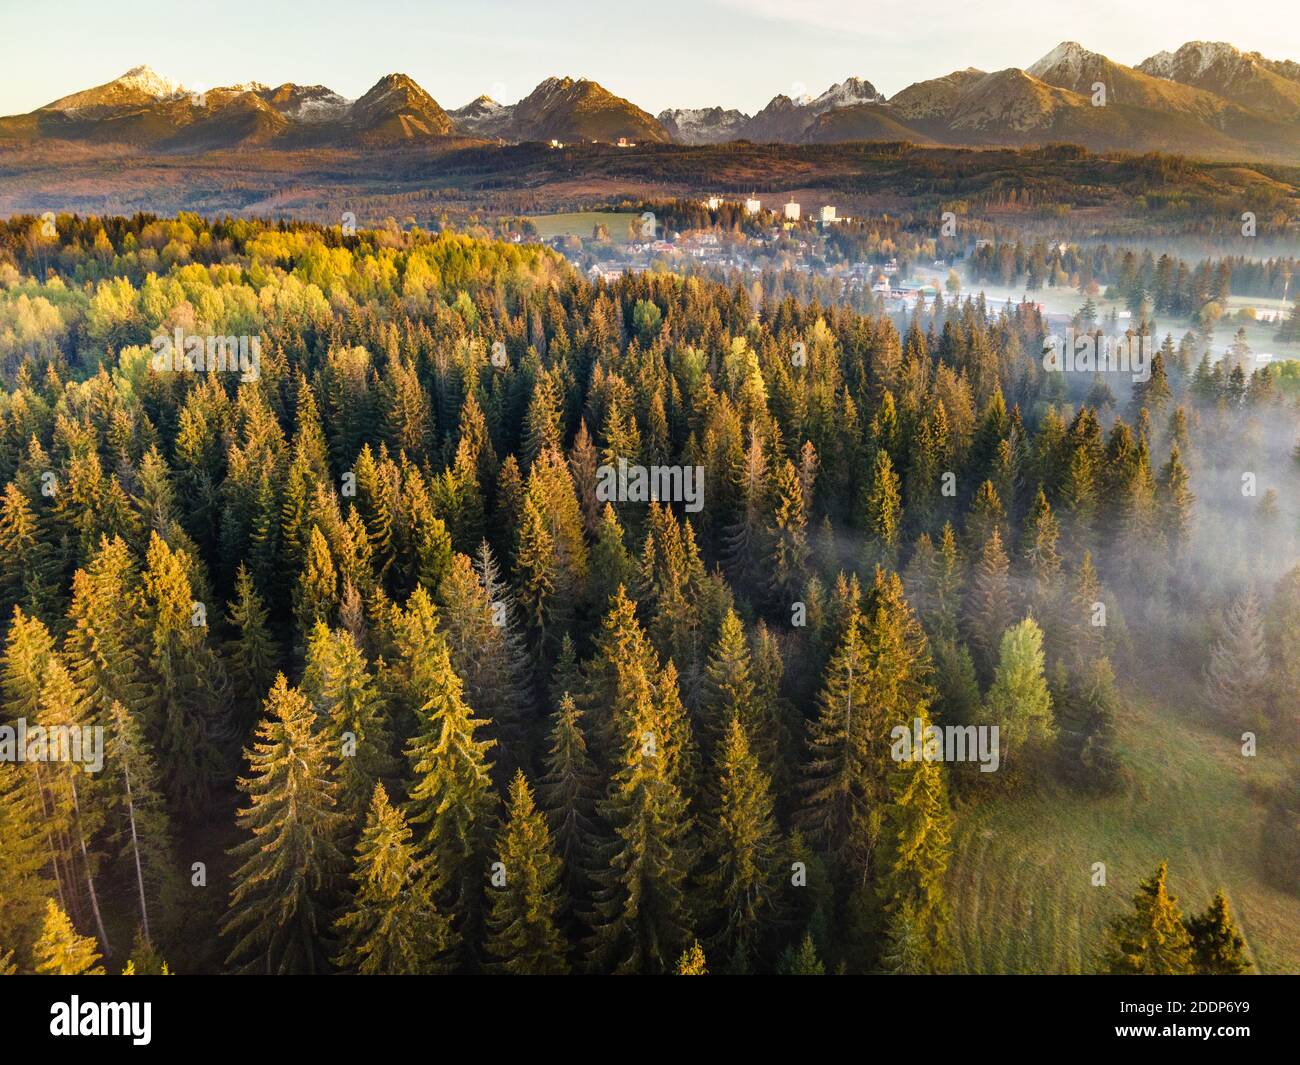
x,y
389,683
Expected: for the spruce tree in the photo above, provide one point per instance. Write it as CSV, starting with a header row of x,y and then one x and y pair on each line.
x,y
692,961
318,586
390,924
988,604
1282,641
252,654
788,562
611,565
24,858
289,868
1151,940
29,650
523,934
76,799
451,799
27,565
946,586
60,951
569,793
535,566
488,652
729,690
917,848
741,839
185,682
1085,716
907,949
641,915
145,959
1041,557
883,512
353,723
1217,946
844,776
1237,674
803,960
101,649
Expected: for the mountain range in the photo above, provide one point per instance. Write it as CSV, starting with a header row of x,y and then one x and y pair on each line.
x,y
1206,98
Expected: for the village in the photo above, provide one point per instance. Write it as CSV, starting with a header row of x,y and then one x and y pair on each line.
x,y
779,237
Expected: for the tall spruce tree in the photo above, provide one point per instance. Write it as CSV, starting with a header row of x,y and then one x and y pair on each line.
x,y
988,604
741,840
569,792
1237,674
390,924
353,719
252,654
451,800
917,849
289,868
641,918
524,936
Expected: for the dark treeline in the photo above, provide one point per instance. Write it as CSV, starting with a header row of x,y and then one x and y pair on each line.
x,y
389,686
1172,285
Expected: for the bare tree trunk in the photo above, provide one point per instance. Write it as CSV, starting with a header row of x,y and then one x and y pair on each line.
x,y
90,882
135,848
54,851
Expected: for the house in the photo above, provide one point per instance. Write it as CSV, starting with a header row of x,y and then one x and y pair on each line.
x,y
791,211
713,203
826,215
753,206
623,142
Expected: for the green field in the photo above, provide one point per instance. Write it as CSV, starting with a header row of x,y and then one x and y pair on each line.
x,y
581,223
1020,882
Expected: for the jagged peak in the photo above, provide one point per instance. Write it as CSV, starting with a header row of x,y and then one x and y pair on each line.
x,y
148,80
852,90
1194,57
554,83
1068,56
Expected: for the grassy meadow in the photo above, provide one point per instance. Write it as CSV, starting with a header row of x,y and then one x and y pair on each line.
x,y
1021,879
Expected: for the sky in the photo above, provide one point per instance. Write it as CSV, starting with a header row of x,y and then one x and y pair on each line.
x,y
663,53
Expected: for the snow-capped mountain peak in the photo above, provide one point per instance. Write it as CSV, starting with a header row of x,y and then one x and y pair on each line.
x,y
847,93
1066,60
150,82
1191,60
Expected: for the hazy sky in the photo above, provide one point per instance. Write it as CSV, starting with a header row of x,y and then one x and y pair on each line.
x,y
664,53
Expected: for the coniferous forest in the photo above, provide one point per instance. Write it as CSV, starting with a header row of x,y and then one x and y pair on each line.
x,y
395,675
